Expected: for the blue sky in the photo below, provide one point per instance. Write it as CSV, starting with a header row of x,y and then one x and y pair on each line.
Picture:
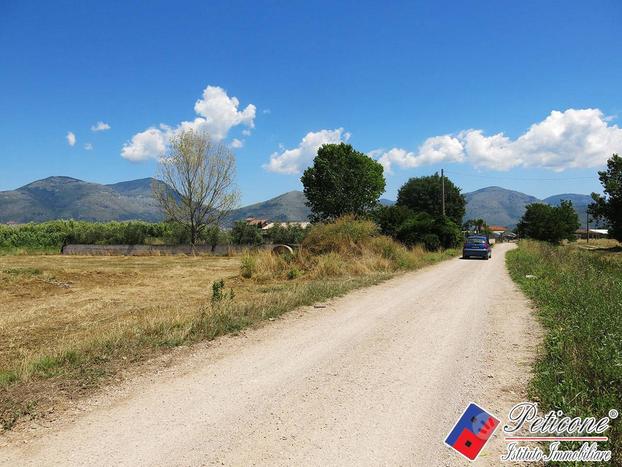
x,y
418,85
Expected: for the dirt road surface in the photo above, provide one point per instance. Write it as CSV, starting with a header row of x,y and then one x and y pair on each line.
x,y
375,378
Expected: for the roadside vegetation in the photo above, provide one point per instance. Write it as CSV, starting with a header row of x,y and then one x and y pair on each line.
x,y
578,294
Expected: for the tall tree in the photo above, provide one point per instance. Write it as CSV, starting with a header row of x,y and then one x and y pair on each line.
x,y
342,181
609,206
424,194
199,182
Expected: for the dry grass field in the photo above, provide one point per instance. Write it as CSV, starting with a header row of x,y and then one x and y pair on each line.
x,y
68,324
51,303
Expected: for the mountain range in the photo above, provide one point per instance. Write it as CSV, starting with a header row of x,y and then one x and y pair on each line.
x,y
70,198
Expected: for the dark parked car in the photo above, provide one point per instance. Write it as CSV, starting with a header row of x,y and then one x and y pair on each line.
x,y
476,245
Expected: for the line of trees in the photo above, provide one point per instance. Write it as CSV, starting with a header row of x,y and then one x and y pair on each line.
x,y
53,235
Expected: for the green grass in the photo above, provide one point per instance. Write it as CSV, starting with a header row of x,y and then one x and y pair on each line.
x,y
27,250
578,294
23,272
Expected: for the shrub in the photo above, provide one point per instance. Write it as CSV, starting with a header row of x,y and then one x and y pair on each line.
x,y
248,265
293,273
431,242
424,229
217,290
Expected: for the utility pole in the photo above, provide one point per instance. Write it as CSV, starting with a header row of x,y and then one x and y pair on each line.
x,y
587,227
443,189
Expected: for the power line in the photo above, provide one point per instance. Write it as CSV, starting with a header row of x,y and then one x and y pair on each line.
x,y
519,178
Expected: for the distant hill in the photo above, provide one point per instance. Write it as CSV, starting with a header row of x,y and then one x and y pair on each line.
x,y
289,206
70,198
497,206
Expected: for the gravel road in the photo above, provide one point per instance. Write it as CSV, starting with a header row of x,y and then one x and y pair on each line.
x,y
377,377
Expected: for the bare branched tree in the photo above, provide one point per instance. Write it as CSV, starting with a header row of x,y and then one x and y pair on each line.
x,y
199,182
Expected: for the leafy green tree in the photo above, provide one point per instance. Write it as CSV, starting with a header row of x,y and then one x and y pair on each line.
x,y
214,236
342,181
424,194
566,221
423,228
390,218
246,234
609,206
549,223
536,221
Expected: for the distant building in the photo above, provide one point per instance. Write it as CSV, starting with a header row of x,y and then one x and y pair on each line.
x,y
265,224
261,223
497,229
302,224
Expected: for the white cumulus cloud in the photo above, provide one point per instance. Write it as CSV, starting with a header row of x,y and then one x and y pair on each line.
x,y
217,115
574,138
71,138
88,146
150,143
293,161
100,126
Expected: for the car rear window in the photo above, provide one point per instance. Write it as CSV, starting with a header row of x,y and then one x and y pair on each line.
x,y
476,240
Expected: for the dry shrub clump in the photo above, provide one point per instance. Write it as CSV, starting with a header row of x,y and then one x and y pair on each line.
x,y
346,247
